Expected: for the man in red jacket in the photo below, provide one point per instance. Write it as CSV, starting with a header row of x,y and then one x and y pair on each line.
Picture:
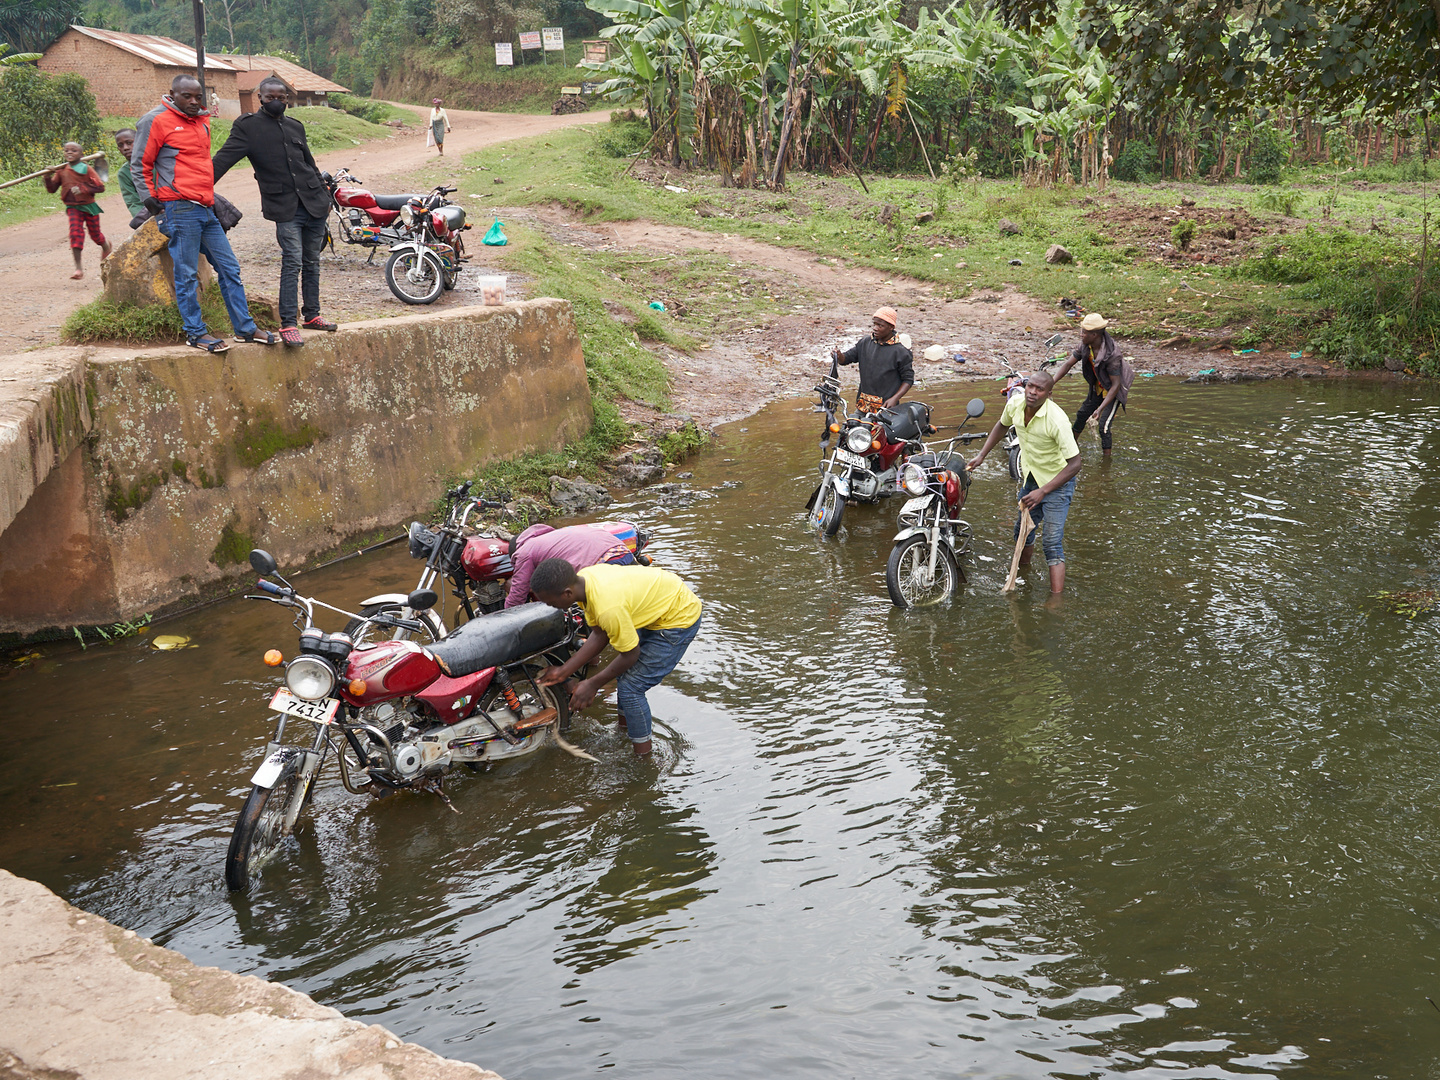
x,y
172,161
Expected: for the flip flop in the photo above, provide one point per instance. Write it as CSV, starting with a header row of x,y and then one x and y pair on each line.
x,y
259,337
209,342
291,337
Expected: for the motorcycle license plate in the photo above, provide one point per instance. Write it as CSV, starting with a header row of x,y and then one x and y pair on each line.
x,y
851,459
321,712
915,505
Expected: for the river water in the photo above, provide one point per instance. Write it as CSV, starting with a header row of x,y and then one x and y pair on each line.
x,y
1182,824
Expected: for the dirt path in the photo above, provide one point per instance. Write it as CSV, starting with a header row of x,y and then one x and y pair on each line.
x,y
819,303
35,261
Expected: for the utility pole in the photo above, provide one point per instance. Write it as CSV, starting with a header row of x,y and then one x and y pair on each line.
x,y
200,49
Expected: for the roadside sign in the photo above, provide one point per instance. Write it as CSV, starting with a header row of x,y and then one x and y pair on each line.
x,y
504,54
529,39
554,38
597,51
589,87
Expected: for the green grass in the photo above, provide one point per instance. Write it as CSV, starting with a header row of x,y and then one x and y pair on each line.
x,y
103,320
471,80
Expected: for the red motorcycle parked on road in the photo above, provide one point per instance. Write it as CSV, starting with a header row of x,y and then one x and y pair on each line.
x,y
865,463
366,219
397,715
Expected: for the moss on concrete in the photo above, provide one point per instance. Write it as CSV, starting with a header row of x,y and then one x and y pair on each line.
x,y
124,500
261,438
234,546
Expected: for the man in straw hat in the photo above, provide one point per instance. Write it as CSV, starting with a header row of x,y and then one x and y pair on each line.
x,y
1105,371
887,370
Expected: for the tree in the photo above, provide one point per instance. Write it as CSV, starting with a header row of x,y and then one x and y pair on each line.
x,y
31,25
1227,56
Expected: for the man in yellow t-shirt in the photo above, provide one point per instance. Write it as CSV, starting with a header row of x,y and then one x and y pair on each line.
x,y
1051,461
647,614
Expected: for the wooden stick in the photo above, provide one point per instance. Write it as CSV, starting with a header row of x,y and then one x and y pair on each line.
x,y
1025,524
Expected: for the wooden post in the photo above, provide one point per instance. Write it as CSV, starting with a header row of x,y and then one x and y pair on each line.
x,y
199,7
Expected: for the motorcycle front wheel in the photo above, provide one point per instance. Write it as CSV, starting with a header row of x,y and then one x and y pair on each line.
x,y
907,574
415,277
261,826
828,508
367,633
1013,454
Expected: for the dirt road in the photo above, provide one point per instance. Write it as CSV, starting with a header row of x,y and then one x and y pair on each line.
x,y
35,261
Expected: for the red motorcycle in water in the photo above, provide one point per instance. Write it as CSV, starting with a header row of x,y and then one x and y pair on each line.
x,y
865,463
474,565
397,715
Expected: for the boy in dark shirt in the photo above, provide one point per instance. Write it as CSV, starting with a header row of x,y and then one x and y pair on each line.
x,y
78,185
1104,371
887,370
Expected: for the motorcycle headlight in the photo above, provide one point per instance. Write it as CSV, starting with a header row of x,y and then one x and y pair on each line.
x,y
407,215
912,479
310,678
858,440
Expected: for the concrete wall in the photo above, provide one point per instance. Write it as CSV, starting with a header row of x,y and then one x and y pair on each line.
x,y
83,999
190,460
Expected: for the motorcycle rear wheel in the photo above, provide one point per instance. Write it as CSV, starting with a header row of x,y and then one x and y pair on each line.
x,y
260,826
907,570
828,509
428,276
365,633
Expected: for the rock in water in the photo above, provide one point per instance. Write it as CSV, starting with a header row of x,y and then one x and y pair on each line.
x,y
1057,254
576,496
640,467
139,271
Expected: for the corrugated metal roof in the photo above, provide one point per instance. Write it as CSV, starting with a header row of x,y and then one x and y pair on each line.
x,y
298,78
161,51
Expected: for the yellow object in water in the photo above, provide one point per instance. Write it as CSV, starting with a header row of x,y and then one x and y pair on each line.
x,y
172,641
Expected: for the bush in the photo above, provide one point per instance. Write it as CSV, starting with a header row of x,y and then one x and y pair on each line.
x,y
39,112
1269,154
104,320
1281,200
1137,161
622,138
1182,233
373,111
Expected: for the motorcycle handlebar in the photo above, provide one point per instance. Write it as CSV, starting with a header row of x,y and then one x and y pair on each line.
x,y
270,587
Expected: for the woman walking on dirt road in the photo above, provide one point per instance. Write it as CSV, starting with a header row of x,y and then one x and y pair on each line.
x,y
439,125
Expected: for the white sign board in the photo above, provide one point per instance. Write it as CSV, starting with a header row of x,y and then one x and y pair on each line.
x,y
554,38
504,54
529,39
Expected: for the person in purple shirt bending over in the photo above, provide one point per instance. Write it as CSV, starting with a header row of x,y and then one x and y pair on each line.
x,y
579,545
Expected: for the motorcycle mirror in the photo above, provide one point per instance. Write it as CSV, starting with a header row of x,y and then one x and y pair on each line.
x,y
975,407
422,599
262,562
1054,341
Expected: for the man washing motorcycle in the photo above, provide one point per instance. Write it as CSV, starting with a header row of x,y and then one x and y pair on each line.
x,y
887,370
1052,461
1106,373
648,615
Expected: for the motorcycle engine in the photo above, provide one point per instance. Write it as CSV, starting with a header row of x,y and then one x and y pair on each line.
x,y
864,487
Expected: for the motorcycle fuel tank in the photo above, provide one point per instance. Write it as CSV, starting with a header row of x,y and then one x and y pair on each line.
x,y
358,197
389,669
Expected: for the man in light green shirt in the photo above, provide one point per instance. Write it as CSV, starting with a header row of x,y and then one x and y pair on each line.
x,y
1050,460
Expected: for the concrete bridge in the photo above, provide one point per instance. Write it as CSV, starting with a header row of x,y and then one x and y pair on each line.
x,y
132,479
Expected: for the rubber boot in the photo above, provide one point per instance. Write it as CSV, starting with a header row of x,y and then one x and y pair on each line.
x,y
642,749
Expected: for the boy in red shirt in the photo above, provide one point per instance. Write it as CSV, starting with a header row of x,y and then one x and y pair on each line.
x,y
78,185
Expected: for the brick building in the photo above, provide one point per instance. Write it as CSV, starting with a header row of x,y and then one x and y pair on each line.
x,y
306,88
128,73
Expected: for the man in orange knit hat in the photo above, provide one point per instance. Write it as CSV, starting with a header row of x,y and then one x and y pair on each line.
x,y
887,370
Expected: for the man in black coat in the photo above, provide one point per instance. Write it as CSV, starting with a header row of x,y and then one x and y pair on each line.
x,y
291,195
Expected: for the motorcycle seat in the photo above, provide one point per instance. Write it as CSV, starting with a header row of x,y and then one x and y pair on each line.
x,y
393,202
906,421
500,639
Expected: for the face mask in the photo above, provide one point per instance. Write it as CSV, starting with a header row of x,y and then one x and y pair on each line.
x,y
274,108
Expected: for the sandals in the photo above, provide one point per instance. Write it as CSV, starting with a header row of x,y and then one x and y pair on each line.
x,y
291,337
209,342
259,337
319,322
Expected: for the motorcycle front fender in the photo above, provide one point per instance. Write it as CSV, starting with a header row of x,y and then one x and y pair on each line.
x,y
842,485
408,246
271,768
914,530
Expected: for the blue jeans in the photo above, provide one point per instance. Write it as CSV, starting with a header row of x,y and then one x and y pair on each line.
x,y
660,651
1051,513
301,239
194,231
